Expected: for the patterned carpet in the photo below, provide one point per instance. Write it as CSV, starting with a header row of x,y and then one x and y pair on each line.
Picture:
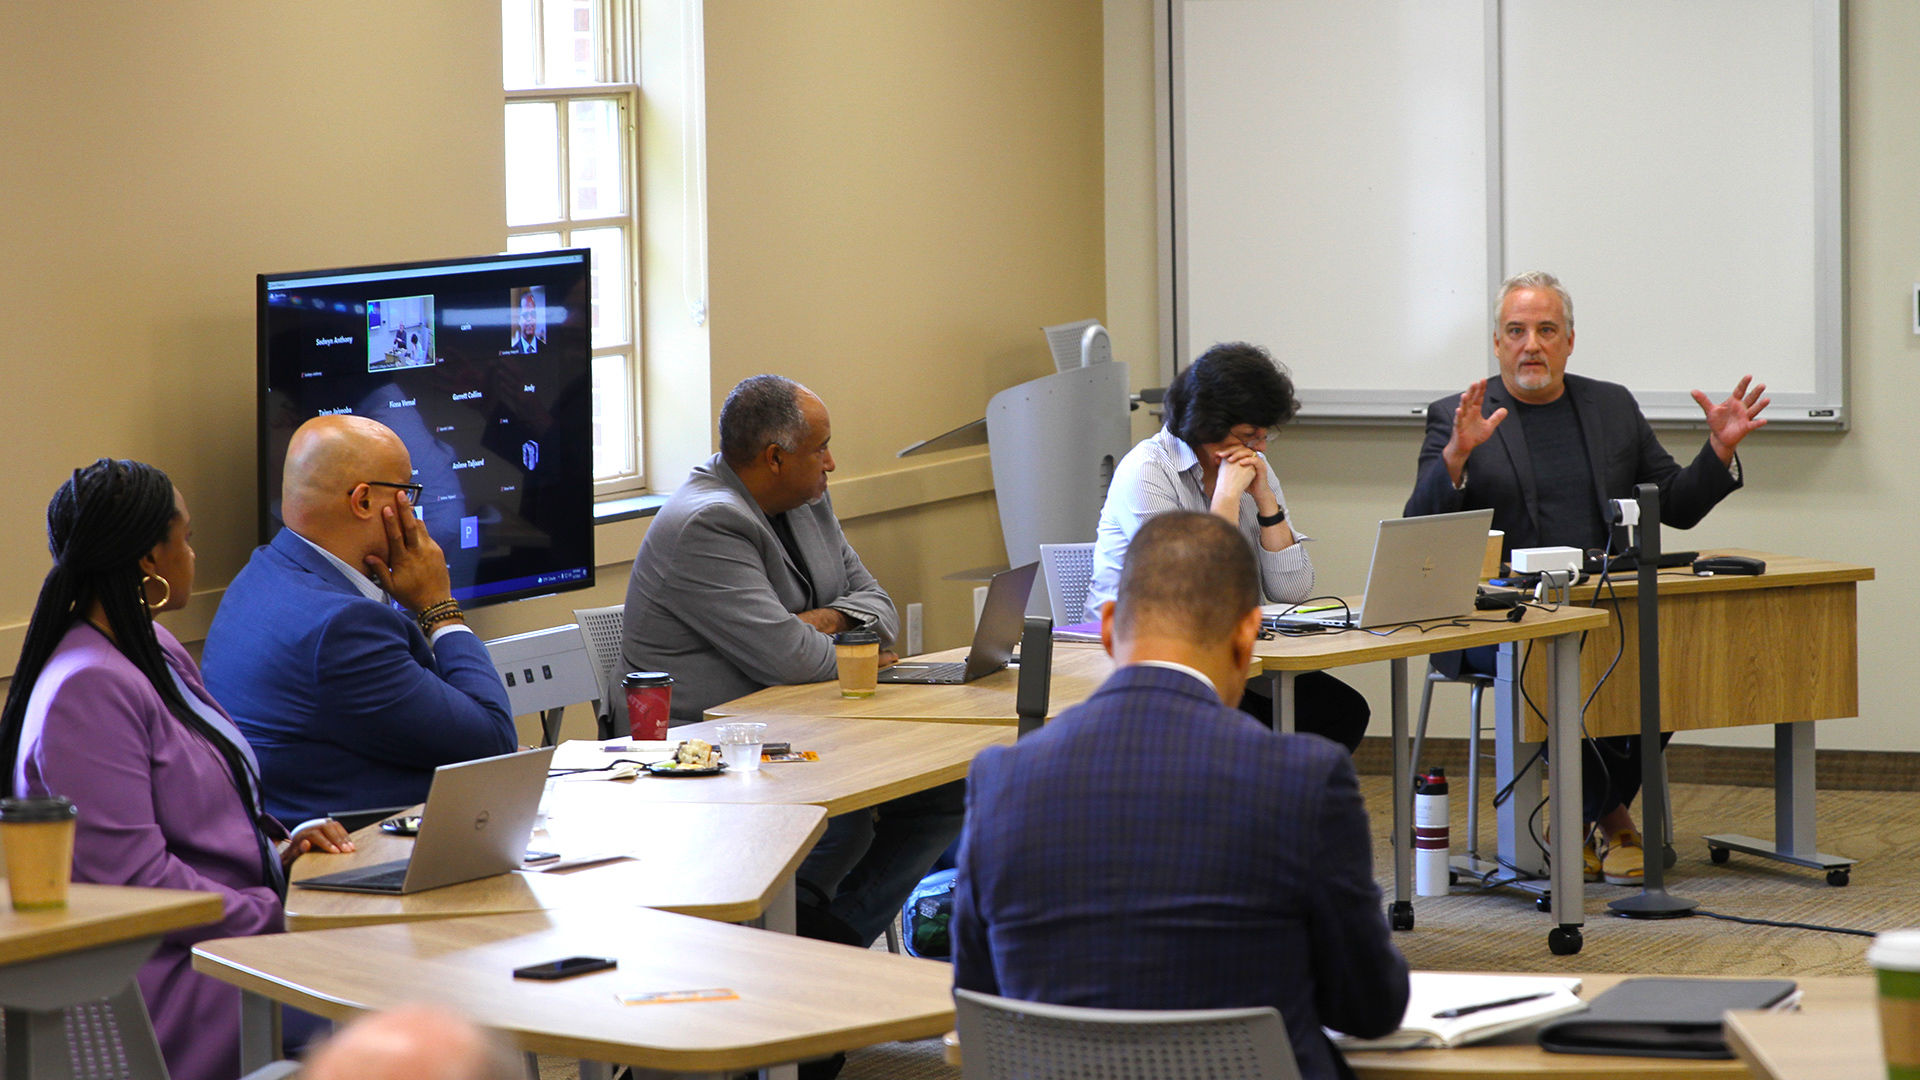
x,y
1501,931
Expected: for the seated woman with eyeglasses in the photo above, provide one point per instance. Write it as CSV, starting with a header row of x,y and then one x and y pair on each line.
x,y
1210,458
107,709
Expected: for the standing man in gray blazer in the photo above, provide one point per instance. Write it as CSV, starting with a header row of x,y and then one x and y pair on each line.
x,y
742,581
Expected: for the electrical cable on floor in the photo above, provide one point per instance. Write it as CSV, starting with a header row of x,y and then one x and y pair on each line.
x,y
1783,923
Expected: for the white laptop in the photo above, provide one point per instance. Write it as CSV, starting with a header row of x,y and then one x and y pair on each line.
x,y
478,817
1423,568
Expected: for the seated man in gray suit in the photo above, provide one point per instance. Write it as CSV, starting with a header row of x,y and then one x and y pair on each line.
x,y
742,581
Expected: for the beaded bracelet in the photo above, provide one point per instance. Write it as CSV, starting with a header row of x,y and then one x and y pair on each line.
x,y
434,614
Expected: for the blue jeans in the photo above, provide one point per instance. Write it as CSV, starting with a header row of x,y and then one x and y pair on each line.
x,y
869,860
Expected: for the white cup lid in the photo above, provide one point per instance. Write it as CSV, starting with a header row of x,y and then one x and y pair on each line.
x,y
1896,950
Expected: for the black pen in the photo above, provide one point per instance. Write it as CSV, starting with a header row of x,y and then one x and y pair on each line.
x,y
1467,1010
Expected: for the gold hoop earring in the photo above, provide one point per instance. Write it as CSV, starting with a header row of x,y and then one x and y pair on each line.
x,y
166,589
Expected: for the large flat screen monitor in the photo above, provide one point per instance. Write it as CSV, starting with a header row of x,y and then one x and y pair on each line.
x,y
481,366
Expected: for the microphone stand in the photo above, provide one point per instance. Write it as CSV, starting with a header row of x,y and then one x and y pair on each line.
x,y
1654,902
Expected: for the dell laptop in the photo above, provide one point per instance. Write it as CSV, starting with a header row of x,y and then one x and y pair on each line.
x,y
1002,619
478,817
1423,568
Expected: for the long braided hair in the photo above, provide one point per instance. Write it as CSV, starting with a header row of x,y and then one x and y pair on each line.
x,y
99,524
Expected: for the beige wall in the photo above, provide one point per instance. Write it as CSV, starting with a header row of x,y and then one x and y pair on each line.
x,y
900,195
1845,496
159,156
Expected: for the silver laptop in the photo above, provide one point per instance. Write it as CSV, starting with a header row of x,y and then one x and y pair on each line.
x,y
478,817
1423,568
1002,619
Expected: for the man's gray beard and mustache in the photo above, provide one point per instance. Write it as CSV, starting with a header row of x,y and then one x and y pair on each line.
x,y
1527,380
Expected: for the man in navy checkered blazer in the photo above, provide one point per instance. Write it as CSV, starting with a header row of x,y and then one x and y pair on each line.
x,y
1155,848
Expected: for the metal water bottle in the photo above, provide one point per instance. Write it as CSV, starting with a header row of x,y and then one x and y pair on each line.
x,y
1431,843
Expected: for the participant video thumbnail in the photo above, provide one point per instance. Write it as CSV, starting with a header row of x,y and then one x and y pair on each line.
x,y
400,333
529,319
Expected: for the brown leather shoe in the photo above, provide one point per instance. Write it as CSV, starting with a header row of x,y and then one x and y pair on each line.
x,y
1623,862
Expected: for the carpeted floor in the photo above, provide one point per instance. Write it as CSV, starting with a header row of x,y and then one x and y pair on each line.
x,y
1501,930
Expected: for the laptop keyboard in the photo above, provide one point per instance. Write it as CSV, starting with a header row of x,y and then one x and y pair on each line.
x,y
386,877
952,671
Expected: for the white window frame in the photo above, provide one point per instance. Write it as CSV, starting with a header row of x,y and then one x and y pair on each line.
x,y
619,58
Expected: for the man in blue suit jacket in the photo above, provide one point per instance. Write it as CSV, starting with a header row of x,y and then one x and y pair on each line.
x,y
1155,848
348,703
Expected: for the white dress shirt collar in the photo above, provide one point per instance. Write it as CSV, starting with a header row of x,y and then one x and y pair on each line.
x,y
1183,669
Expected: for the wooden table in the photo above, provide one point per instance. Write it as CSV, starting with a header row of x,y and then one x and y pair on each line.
x,y
797,998
1838,1043
1078,670
1825,999
1284,657
725,862
862,763
90,949
1780,648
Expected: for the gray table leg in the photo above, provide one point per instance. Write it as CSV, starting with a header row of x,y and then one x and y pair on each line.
x,y
1282,688
1563,742
1793,821
1510,752
1400,913
259,1031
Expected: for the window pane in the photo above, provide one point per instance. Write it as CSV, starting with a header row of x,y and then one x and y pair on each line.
x,y
517,36
610,279
537,241
613,435
573,42
594,160
533,162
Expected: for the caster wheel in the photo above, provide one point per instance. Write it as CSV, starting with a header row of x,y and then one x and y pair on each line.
x,y
1400,915
1837,878
1544,902
1719,855
1564,940
1669,857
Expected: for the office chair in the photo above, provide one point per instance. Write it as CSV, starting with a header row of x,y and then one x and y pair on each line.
x,y
604,627
1004,1039
1068,569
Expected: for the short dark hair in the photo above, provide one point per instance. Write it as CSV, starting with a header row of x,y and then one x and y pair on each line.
x,y
1231,384
1187,574
763,410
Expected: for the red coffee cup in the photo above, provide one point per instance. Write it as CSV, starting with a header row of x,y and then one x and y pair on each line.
x,y
649,693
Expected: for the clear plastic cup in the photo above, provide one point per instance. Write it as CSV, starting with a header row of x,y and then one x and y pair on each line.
x,y
740,745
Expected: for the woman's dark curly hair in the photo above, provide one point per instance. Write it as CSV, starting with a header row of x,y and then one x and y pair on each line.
x,y
1231,384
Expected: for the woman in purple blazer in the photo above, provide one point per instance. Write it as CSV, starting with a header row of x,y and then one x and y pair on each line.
x,y
107,709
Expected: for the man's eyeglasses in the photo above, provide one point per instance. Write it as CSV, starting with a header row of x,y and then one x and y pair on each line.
x,y
413,490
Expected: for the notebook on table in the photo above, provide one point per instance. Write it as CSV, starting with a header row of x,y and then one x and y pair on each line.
x,y
1002,619
1492,1005
1423,568
478,817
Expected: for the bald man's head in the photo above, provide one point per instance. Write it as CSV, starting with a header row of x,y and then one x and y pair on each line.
x,y
414,1042
340,471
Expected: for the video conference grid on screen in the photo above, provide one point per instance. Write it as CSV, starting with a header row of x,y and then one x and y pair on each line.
x,y
481,366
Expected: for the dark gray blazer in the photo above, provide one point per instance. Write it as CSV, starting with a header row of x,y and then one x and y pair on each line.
x,y
713,594
1621,449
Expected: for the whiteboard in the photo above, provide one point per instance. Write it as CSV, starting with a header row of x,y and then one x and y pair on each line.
x,y
1347,184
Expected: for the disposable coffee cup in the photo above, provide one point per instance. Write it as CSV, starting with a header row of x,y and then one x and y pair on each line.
x,y
740,745
1895,956
858,654
649,695
1490,564
38,837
